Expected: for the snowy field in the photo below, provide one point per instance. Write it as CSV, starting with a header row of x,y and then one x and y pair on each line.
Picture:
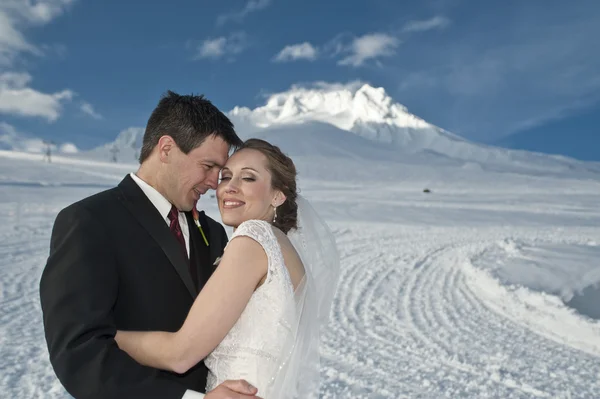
x,y
453,294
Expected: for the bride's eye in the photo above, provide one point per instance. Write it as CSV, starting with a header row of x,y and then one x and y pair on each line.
x,y
225,178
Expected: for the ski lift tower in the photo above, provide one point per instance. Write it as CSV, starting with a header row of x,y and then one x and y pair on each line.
x,y
47,150
114,151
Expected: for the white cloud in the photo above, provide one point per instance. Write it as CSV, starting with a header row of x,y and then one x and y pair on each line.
x,y
13,140
238,16
370,46
12,41
302,51
212,48
7,132
88,109
354,50
17,14
16,98
218,47
68,148
44,11
437,22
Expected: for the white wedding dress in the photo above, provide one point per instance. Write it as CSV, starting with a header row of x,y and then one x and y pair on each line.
x,y
253,348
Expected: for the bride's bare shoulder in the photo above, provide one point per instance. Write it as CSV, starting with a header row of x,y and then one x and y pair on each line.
x,y
291,258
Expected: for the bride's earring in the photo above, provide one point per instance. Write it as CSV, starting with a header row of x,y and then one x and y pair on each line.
x,y
274,213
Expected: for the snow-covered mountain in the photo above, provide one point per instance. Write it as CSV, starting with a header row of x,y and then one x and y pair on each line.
x,y
361,109
370,113
125,148
358,121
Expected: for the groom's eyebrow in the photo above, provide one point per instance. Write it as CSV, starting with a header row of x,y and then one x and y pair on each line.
x,y
212,163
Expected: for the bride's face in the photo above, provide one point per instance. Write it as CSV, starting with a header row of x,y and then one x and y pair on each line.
x,y
245,191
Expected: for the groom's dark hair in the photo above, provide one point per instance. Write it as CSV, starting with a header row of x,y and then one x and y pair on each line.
x,y
189,120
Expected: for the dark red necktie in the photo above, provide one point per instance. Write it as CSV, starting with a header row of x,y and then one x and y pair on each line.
x,y
176,228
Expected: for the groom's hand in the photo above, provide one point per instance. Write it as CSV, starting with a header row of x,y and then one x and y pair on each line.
x,y
233,389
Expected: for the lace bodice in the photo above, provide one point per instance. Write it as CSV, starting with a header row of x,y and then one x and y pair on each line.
x,y
252,347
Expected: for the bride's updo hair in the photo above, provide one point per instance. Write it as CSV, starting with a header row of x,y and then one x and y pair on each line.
x,y
283,178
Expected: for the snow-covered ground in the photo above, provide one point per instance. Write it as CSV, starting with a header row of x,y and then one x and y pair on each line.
x,y
457,293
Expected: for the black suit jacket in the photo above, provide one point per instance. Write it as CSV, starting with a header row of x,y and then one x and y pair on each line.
x,y
114,264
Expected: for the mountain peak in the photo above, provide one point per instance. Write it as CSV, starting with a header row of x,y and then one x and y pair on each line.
x,y
347,107
125,148
356,107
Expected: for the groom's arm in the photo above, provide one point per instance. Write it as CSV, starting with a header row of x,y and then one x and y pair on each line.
x,y
78,290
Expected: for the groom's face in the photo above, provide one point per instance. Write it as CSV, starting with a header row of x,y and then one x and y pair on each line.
x,y
191,175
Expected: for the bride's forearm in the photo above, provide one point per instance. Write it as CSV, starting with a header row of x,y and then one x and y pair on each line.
x,y
156,349
215,311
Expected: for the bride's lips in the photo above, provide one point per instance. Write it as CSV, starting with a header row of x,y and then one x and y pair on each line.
x,y
229,203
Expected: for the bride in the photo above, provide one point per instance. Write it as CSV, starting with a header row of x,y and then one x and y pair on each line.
x,y
258,317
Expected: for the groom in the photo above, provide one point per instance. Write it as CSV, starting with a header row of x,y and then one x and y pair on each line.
x,y
133,258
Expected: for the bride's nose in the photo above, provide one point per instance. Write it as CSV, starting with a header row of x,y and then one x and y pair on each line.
x,y
231,186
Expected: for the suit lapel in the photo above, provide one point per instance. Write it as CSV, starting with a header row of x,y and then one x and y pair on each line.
x,y
134,199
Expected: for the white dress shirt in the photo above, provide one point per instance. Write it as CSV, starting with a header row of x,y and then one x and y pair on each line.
x,y
164,207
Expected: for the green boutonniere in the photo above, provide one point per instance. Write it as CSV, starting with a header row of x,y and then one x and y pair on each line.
x,y
197,221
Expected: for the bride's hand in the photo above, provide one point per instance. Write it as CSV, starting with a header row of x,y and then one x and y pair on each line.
x,y
233,389
119,339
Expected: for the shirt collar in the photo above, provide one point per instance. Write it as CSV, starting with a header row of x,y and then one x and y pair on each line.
x,y
158,200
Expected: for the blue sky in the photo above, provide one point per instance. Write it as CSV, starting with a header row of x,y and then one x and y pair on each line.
x,y
82,71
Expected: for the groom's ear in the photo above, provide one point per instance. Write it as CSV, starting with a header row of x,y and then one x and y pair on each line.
x,y
165,145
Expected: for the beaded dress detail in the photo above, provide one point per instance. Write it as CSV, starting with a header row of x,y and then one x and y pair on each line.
x,y
252,347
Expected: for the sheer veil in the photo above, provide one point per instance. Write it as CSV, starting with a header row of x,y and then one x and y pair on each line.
x,y
298,375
